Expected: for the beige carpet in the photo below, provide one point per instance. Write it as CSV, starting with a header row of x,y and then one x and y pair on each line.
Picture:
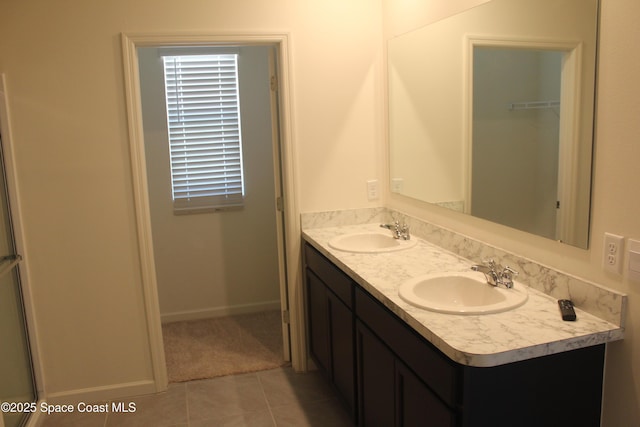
x,y
211,348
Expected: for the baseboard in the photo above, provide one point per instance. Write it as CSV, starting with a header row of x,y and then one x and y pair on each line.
x,y
207,313
36,419
113,392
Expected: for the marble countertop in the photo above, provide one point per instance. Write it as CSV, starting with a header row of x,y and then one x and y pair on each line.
x,y
531,330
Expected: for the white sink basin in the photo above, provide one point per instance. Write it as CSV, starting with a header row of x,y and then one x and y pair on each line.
x,y
461,293
370,242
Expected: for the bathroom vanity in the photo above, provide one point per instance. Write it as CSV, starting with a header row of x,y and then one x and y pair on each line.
x,y
397,365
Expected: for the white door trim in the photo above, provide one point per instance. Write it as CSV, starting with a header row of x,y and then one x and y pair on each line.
x,y
570,99
274,100
21,247
130,43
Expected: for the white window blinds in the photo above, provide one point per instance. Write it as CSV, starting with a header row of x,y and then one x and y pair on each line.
x,y
203,113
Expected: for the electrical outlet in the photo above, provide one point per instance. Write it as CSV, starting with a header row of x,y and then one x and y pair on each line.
x,y
372,189
612,253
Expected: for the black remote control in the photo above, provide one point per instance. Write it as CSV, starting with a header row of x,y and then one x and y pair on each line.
x,y
566,309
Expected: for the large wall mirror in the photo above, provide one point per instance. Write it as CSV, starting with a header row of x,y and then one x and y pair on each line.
x,y
491,113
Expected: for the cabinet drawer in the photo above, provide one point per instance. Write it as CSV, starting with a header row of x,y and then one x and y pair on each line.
x,y
430,365
334,278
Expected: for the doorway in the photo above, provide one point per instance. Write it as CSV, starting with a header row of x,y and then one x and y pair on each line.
x,y
522,135
516,132
286,227
216,261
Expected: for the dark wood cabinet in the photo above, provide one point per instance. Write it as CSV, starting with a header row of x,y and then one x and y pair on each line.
x,y
389,375
412,370
331,324
376,380
341,346
389,393
563,389
318,316
416,404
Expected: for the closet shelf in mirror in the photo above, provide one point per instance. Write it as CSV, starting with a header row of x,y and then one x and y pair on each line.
x,y
532,105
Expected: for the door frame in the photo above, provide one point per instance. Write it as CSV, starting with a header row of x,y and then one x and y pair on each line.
x,y
569,138
13,193
289,253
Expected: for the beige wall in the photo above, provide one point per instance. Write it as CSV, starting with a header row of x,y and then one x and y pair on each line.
x,y
615,205
64,71
426,101
201,259
401,16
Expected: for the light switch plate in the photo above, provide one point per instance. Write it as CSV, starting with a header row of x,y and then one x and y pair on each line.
x,y
634,260
372,189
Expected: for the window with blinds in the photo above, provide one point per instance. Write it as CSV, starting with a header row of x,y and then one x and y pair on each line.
x,y
203,115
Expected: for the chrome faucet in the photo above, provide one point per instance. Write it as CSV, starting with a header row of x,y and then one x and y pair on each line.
x,y
496,274
398,231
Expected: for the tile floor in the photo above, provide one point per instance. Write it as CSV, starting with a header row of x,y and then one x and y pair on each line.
x,y
277,397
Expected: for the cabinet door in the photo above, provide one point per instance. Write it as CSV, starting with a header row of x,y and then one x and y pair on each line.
x,y
416,404
318,321
342,349
375,380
